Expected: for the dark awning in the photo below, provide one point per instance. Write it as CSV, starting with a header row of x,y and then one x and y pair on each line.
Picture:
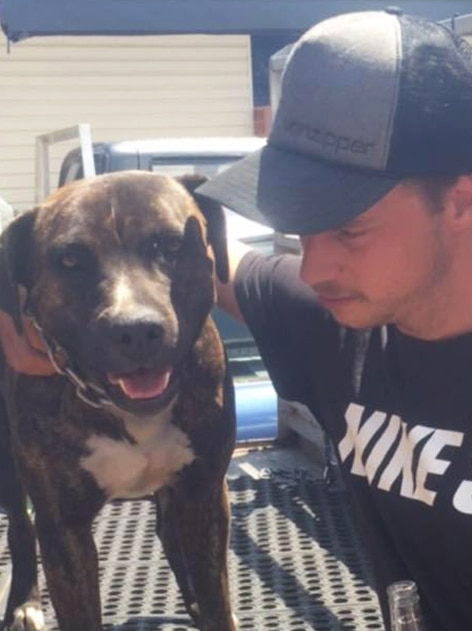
x,y
27,18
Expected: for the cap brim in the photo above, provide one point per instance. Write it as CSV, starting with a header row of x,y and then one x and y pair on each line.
x,y
295,194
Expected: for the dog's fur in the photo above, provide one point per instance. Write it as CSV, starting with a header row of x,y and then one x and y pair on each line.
x,y
120,281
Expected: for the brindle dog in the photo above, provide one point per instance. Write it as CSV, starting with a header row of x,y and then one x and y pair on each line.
x,y
119,280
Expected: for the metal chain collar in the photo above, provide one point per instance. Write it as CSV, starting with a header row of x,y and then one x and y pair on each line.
x,y
88,392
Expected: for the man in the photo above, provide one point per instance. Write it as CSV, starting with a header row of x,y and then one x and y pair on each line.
x,y
370,161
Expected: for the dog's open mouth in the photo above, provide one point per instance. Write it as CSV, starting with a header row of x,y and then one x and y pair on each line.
x,y
144,383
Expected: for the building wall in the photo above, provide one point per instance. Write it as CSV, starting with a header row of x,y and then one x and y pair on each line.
x,y
124,87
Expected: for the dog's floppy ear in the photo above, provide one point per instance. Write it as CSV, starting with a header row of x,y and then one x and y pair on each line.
x,y
15,263
216,223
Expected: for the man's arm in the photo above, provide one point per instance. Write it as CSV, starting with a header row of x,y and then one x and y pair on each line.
x,y
24,352
225,291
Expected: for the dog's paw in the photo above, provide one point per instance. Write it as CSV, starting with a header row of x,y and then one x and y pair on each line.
x,y
28,617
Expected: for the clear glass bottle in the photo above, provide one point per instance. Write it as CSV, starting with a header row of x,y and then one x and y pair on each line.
x,y
405,608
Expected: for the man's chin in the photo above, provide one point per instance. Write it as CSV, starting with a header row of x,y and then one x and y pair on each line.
x,y
357,318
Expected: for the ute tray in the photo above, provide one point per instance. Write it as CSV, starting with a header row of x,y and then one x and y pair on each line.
x,y
296,562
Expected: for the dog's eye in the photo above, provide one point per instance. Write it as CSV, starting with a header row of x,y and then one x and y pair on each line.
x,y
164,246
171,244
72,258
69,261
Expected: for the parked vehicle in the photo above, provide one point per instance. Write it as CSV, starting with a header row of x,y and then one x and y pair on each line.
x,y
256,400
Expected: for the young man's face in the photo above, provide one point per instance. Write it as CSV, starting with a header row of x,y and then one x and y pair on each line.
x,y
389,265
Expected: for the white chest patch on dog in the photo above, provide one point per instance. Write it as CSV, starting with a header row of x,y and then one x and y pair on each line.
x,y
126,470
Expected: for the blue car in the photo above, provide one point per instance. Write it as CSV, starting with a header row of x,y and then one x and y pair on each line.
x,y
256,400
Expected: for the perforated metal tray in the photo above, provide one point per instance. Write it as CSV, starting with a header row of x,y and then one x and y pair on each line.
x,y
296,563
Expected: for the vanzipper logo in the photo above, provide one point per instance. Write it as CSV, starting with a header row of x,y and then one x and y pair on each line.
x,y
327,139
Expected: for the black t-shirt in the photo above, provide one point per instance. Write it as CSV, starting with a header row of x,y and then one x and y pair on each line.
x,y
399,412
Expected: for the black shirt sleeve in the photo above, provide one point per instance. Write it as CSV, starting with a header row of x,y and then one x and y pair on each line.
x,y
288,325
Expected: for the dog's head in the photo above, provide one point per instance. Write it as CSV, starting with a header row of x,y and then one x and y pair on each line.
x,y
118,273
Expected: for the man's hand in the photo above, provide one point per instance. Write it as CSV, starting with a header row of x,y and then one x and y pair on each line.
x,y
24,353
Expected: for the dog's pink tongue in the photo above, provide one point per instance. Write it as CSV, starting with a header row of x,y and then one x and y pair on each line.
x,y
142,384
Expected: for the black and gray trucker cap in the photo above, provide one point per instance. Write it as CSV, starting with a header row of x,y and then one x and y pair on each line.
x,y
367,99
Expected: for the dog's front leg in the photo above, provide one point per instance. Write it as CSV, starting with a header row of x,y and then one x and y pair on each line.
x,y
23,610
70,563
196,530
168,533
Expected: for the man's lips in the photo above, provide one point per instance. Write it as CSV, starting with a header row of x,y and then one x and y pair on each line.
x,y
144,383
329,301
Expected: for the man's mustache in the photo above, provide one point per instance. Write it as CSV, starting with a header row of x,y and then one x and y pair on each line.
x,y
335,291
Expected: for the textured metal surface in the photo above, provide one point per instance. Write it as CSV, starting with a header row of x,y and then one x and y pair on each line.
x,y
296,563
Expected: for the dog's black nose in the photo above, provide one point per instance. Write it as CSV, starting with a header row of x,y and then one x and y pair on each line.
x,y
137,334
135,337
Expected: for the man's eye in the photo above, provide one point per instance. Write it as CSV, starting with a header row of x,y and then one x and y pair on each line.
x,y
352,233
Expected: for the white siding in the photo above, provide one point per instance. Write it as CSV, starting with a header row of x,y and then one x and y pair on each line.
x,y
125,87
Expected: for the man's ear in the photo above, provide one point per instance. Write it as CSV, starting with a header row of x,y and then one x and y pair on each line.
x,y
460,194
16,249
216,223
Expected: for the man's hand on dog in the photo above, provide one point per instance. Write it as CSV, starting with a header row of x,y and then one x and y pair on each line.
x,y
24,353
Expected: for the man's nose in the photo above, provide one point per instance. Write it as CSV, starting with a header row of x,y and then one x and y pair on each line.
x,y
321,260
